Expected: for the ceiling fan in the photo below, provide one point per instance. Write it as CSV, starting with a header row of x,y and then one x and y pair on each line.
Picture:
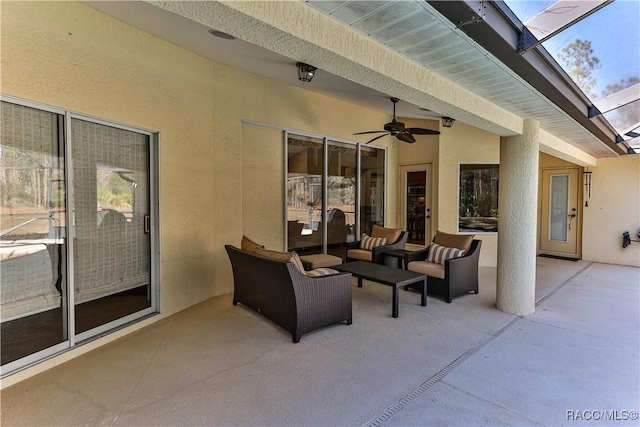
x,y
397,129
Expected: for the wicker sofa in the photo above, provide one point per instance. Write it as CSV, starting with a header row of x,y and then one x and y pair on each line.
x,y
279,291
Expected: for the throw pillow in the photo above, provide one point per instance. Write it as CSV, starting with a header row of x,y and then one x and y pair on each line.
x,y
248,245
282,256
321,271
368,243
438,254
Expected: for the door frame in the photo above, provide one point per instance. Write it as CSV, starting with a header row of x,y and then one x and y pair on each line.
x,y
577,186
430,224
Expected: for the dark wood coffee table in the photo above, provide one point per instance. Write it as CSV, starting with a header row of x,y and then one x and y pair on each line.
x,y
389,276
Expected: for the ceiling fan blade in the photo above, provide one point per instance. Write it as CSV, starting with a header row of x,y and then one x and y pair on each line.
x,y
406,137
371,131
377,137
421,131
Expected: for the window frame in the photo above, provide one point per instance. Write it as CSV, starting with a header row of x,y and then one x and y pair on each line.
x,y
459,229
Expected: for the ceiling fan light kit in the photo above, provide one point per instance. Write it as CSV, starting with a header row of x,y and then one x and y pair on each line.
x,y
397,129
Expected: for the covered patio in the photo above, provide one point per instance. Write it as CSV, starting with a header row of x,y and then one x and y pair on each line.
x,y
464,363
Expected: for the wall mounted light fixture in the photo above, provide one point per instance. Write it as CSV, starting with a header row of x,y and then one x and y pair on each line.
x,y
448,122
305,71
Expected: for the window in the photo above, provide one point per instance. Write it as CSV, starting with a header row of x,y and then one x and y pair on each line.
x,y
478,205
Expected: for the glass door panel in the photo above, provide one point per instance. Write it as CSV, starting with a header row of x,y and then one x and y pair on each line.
x,y
416,211
341,197
372,188
112,261
558,208
32,232
305,167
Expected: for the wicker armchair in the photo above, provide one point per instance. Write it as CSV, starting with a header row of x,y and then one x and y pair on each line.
x,y
280,292
376,255
457,276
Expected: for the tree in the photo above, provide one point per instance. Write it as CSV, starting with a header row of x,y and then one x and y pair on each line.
x,y
578,61
627,115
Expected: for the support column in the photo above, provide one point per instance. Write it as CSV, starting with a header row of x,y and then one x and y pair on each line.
x,y
517,213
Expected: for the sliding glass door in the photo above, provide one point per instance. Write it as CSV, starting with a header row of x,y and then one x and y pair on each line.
x,y
324,178
341,196
305,168
111,245
372,188
32,237
76,229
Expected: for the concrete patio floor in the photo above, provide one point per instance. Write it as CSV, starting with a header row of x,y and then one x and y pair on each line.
x,y
576,361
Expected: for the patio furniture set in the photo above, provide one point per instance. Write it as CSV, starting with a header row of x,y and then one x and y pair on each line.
x,y
303,293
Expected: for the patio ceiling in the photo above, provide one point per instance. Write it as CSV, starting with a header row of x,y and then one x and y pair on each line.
x,y
425,33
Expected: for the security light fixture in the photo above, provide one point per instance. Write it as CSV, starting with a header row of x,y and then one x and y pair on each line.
x,y
448,122
305,71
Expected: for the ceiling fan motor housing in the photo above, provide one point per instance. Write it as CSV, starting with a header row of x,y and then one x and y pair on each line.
x,y
394,127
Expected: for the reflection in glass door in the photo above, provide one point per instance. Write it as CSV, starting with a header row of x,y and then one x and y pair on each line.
x,y
111,245
416,206
341,196
305,166
372,188
326,208
32,238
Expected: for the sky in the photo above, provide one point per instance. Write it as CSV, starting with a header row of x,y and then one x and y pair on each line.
x,y
614,32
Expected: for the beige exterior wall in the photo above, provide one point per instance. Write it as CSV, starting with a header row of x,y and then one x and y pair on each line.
x,y
464,144
614,207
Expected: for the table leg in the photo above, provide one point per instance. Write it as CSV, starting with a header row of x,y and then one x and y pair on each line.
x,y
359,282
395,301
423,293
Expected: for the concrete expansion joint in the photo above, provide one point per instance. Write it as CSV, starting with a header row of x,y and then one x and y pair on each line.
x,y
545,297
395,407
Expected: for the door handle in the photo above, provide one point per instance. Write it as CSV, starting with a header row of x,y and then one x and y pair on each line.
x,y
147,224
571,216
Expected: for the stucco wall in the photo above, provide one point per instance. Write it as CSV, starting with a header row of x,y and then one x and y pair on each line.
x,y
464,144
614,207
68,55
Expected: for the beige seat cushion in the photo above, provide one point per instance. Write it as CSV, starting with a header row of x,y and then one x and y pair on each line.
x,y
391,234
460,241
248,245
428,268
282,256
321,260
360,254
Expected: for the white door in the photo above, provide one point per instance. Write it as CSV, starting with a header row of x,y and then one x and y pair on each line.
x,y
560,213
